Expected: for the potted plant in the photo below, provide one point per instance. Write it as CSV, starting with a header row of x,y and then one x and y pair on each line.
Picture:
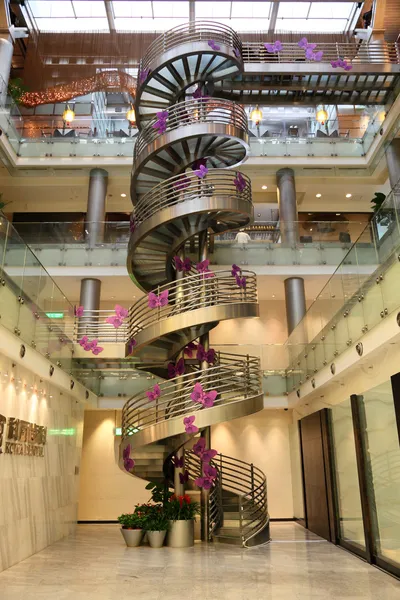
x,y
132,528
157,525
181,512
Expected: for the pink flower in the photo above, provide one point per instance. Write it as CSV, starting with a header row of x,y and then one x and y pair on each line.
x,y
154,393
205,398
78,311
201,172
188,423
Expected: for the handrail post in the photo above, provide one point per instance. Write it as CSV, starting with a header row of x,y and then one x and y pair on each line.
x,y
252,480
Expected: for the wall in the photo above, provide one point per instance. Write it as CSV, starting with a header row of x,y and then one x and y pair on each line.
x,y
38,496
262,439
105,491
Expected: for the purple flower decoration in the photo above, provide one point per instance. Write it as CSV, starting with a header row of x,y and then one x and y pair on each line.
x,y
199,449
188,423
120,311
190,348
208,356
178,462
236,52
115,321
274,48
176,370
84,342
198,94
144,75
198,163
241,281
201,172
184,477
154,393
129,463
235,270
131,344
95,348
303,43
182,183
155,301
78,311
132,224
182,265
202,267
214,45
316,56
341,63
209,475
205,398
240,182
161,122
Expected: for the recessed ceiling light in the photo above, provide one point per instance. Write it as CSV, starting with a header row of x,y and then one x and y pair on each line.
x,y
318,195
348,195
338,214
264,187
123,195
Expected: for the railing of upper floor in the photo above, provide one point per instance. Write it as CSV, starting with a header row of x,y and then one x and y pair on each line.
x,y
324,243
352,302
31,304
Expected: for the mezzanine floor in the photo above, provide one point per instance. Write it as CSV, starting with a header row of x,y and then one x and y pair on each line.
x,y
96,565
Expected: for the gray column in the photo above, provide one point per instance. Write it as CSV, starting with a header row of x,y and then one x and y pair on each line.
x,y
295,299
393,162
6,53
287,205
179,488
90,300
96,206
204,495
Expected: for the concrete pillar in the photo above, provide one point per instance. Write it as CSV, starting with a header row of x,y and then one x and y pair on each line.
x,y
393,162
96,207
90,300
287,205
295,299
6,53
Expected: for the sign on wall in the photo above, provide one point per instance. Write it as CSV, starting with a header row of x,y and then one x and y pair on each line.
x,y
21,437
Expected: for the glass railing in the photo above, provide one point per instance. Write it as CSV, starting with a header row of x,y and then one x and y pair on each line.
x,y
31,304
353,301
318,243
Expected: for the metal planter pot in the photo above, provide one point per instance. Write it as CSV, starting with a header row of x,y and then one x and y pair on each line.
x,y
132,537
156,538
181,534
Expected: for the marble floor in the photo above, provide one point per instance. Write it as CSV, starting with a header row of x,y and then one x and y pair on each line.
x,y
95,565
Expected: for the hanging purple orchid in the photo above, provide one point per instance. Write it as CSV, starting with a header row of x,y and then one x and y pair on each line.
x,y
95,348
78,311
144,75
239,182
131,344
241,281
190,348
182,183
341,63
304,44
189,426
184,265
120,315
161,122
184,477
155,301
198,163
198,94
201,172
129,463
274,48
207,356
316,56
205,398
236,52
214,45
178,462
154,393
176,370
208,477
199,449
235,270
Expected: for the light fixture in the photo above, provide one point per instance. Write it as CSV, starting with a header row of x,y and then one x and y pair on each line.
x,y
318,195
264,187
123,195
256,115
348,195
131,115
338,214
321,116
68,115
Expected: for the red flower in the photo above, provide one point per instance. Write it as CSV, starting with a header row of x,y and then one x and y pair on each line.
x,y
187,499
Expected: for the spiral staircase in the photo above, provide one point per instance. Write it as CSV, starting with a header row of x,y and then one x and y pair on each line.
x,y
174,207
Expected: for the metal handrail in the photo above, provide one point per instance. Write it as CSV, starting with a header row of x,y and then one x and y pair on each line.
x,y
190,293
233,377
193,112
357,53
219,182
195,31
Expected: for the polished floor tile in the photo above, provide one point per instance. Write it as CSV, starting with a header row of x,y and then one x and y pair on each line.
x,y
95,565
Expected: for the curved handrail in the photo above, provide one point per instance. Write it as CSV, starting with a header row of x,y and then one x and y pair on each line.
x,y
190,293
193,112
186,187
195,31
232,376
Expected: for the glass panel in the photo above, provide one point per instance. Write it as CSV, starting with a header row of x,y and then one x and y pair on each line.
x,y
347,484
382,445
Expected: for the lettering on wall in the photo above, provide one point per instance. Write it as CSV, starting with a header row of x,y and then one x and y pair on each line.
x,y
21,437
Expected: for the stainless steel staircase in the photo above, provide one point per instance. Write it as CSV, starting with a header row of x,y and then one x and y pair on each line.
x,y
173,206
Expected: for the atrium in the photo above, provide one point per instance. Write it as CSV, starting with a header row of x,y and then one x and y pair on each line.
x,y
199,299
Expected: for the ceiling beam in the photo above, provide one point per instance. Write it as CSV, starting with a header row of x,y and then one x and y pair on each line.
x,y
110,15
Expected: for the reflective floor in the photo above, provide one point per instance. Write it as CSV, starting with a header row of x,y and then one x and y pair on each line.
x,y
96,565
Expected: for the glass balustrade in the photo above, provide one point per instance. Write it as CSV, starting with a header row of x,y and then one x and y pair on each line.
x,y
31,305
362,291
319,243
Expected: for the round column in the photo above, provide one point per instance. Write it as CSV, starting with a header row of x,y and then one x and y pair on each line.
x,y
295,299
393,162
90,300
287,205
6,53
96,207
